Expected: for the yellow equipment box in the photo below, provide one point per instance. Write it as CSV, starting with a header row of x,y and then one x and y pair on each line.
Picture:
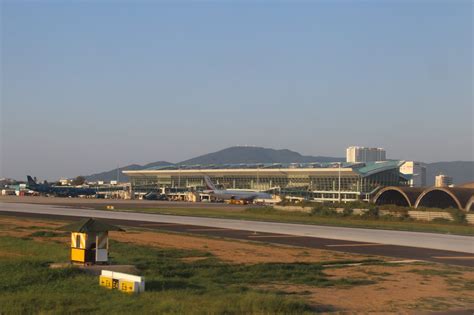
x,y
122,281
106,281
78,254
127,286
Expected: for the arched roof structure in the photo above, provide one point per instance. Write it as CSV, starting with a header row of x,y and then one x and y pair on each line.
x,y
470,204
433,197
445,197
400,196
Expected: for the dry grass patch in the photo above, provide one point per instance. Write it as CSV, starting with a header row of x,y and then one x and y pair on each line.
x,y
397,289
234,251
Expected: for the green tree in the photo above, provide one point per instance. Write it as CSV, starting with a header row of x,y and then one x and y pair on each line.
x,y
79,180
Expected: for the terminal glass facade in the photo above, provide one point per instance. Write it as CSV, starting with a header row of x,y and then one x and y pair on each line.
x,y
311,185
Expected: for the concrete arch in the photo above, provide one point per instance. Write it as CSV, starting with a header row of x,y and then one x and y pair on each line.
x,y
439,197
400,196
470,205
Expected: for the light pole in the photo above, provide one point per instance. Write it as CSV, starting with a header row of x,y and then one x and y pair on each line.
x,y
339,182
179,177
258,178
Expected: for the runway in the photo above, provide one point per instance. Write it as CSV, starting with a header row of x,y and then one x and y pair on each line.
x,y
450,249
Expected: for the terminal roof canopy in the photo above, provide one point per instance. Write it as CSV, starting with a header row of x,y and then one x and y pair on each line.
x,y
364,169
370,168
89,225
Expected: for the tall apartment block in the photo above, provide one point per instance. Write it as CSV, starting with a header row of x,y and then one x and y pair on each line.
x,y
356,154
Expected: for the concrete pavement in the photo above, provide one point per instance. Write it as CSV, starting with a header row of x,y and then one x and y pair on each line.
x,y
455,243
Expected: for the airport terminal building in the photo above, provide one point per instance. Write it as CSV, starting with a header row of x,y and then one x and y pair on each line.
x,y
312,181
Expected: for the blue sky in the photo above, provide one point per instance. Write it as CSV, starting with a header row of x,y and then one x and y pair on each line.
x,y
90,85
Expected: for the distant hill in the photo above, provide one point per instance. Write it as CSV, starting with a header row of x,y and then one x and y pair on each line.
x,y
232,155
117,173
235,155
460,171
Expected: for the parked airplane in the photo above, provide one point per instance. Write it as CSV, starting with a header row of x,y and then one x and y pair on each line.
x,y
59,190
154,196
229,194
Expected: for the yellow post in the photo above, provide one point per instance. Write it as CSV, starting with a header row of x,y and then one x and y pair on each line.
x,y
78,247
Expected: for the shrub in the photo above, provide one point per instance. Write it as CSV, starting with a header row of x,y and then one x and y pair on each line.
x,y
394,207
321,209
261,210
441,220
432,209
347,212
47,234
352,205
318,206
459,216
401,213
373,212
302,204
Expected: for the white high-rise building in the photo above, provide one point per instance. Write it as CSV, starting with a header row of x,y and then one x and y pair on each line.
x,y
356,154
443,181
417,171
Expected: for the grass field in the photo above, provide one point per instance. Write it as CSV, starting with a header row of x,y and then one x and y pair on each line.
x,y
270,214
205,285
193,278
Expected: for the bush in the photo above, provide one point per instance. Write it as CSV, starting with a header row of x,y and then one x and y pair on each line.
x,y
261,210
303,203
441,220
459,216
321,209
318,206
373,212
391,217
47,234
352,205
432,209
347,212
401,213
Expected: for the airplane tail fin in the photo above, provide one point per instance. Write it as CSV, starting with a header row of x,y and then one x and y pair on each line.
x,y
209,183
31,181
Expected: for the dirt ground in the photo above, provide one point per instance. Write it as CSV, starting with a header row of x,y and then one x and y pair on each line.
x,y
403,288
406,288
229,251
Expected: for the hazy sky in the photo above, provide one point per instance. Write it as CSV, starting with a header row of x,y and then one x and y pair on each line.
x,y
90,85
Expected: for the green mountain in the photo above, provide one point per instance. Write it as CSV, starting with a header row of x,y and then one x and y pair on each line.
x,y
236,155
117,172
232,155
